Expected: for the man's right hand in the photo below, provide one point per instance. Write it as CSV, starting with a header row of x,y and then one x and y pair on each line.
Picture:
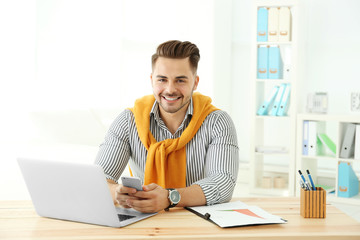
x,y
121,194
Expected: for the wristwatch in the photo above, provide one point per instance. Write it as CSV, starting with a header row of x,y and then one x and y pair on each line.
x,y
174,198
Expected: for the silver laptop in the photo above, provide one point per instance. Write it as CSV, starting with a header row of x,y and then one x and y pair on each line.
x,y
75,192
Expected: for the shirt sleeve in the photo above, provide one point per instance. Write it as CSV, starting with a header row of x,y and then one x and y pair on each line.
x,y
114,152
222,161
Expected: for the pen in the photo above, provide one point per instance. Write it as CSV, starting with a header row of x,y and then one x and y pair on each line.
x,y
311,181
302,176
304,180
302,185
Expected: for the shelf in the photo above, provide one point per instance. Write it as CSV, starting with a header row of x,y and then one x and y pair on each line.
x,y
353,200
328,118
265,129
276,168
272,153
277,3
318,163
273,81
320,157
270,191
272,117
274,43
351,160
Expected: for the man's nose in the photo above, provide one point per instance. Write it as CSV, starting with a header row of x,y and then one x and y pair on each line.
x,y
171,87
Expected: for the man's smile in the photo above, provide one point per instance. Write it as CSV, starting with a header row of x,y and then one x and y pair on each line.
x,y
171,99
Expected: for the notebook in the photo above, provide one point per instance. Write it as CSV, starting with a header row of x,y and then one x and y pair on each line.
x,y
74,192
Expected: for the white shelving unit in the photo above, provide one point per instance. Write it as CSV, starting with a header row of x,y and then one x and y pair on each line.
x,y
274,173
324,168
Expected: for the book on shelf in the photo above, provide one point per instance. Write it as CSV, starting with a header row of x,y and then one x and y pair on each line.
x,y
262,25
315,146
284,103
274,24
357,142
348,183
269,62
347,148
263,110
262,62
329,145
277,102
284,24
275,63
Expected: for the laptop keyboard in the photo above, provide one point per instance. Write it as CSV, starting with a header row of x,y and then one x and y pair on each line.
x,y
123,217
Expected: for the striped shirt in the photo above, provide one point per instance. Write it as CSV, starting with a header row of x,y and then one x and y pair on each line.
x,y
212,155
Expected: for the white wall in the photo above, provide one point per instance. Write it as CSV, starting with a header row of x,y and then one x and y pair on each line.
x,y
333,50
69,67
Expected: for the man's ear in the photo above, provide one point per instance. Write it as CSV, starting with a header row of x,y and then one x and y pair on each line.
x,y
196,82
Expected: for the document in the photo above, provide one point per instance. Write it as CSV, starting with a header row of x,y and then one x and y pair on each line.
x,y
235,214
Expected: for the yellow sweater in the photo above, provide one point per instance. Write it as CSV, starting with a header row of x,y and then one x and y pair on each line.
x,y
166,160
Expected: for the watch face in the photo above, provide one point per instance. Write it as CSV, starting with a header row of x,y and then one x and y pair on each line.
x,y
175,196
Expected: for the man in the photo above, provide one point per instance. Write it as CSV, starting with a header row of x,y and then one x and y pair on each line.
x,y
177,142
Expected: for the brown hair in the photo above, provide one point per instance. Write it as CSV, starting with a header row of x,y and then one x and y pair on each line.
x,y
179,50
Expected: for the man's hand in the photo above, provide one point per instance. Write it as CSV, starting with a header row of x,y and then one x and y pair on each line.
x,y
123,194
153,198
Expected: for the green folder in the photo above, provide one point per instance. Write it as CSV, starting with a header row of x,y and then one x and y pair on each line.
x,y
327,142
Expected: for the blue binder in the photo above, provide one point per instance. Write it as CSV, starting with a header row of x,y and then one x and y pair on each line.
x,y
262,67
348,183
277,101
263,110
262,25
275,63
284,104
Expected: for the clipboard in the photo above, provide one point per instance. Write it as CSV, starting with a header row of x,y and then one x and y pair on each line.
x,y
235,214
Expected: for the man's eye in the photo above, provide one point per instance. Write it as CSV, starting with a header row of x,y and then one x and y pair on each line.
x,y
162,80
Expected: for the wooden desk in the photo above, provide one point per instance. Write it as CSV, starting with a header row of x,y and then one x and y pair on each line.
x,y
18,220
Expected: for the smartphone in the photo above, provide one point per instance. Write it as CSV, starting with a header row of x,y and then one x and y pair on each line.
x,y
132,182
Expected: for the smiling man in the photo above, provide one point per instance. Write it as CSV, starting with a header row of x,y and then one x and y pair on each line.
x,y
175,140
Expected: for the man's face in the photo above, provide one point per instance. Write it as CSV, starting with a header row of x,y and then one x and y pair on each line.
x,y
173,83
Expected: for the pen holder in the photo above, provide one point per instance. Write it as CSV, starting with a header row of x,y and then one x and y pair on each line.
x,y
313,203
